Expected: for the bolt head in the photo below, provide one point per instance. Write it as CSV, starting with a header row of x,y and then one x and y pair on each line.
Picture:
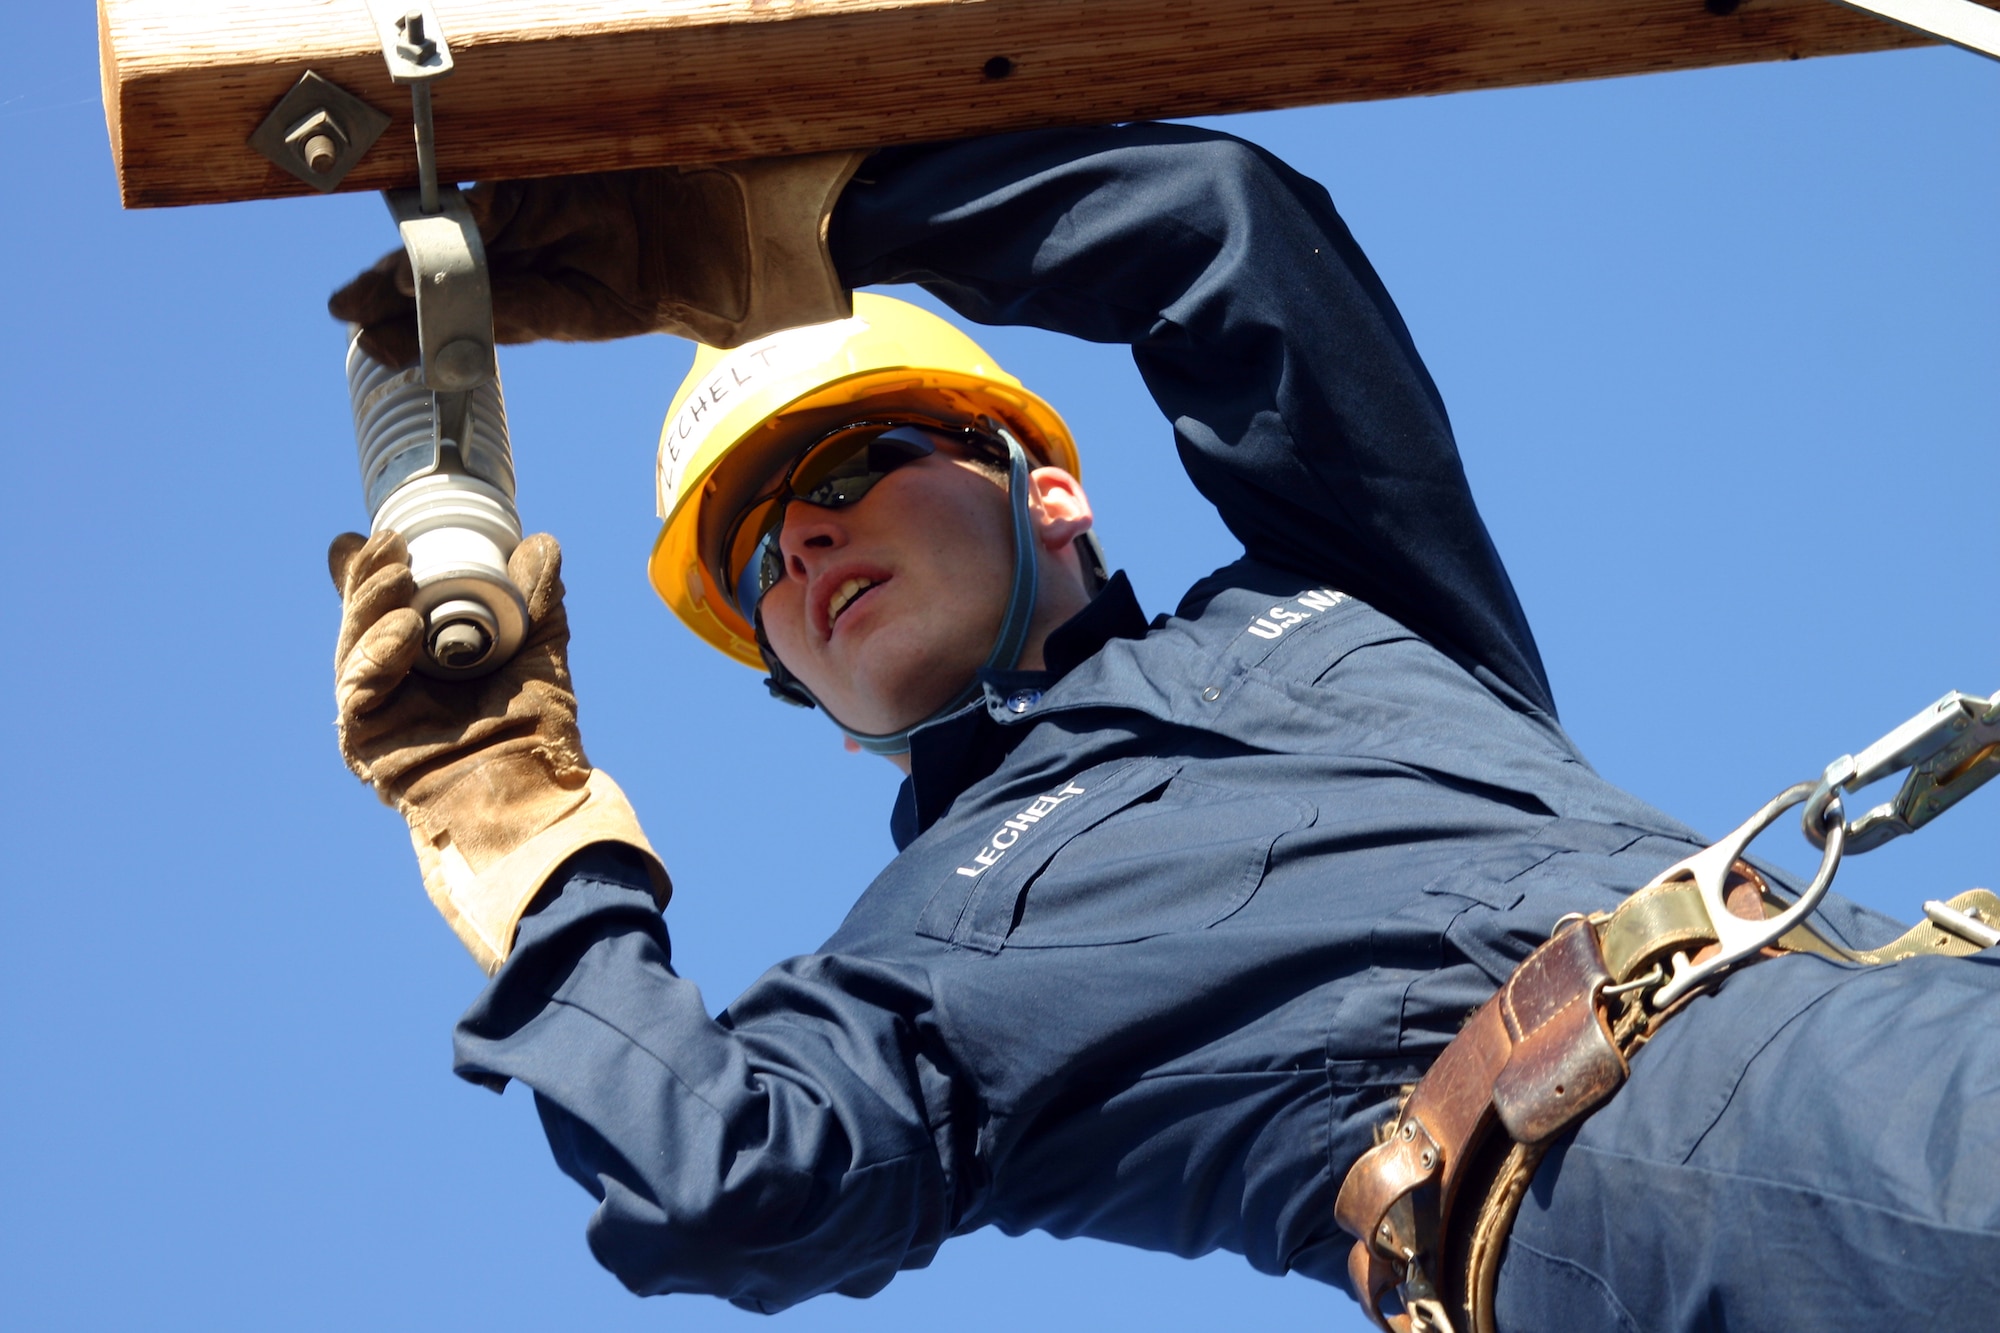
x,y
461,364
415,46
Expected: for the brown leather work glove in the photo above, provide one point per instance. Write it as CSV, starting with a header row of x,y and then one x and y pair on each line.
x,y
721,254
490,772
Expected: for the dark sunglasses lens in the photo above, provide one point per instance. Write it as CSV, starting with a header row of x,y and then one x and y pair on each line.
x,y
760,570
741,545
836,472
840,470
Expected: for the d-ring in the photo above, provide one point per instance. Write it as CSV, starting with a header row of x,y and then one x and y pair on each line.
x,y
1709,869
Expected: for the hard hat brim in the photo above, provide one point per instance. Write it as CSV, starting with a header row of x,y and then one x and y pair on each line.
x,y
685,556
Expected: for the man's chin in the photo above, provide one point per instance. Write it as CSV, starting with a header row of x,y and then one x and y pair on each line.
x,y
897,703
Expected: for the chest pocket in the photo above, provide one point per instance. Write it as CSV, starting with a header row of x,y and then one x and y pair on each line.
x,y
1158,853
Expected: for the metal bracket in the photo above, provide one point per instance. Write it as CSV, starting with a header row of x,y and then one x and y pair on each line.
x,y
318,131
454,293
413,45
447,260
412,40
1960,22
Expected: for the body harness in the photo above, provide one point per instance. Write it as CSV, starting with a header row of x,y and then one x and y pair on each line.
x,y
1431,1204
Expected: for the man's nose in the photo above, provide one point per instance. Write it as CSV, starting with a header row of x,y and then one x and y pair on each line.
x,y
809,533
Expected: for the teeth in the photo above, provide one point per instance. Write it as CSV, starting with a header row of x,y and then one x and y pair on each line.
x,y
844,594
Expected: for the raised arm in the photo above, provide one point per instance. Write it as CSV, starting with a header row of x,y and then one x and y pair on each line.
x,y
1300,406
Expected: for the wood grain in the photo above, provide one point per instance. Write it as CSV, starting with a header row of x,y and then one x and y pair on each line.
x,y
547,89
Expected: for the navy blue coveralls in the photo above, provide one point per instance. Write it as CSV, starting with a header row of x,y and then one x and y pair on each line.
x,y
1173,919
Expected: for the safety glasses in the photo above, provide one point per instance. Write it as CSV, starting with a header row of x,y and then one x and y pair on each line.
x,y
835,471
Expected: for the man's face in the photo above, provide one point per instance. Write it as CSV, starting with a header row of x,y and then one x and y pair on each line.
x,y
888,607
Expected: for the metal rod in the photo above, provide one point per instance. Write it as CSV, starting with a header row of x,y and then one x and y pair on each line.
x,y
427,167
1967,927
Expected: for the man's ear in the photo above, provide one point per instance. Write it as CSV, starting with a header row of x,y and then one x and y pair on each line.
x,y
1061,509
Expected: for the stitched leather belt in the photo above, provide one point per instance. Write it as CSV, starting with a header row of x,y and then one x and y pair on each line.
x,y
1430,1205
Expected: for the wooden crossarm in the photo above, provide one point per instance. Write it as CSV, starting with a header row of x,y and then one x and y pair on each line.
x,y
548,88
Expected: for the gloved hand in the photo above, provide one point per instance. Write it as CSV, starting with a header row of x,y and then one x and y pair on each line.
x,y
721,254
490,772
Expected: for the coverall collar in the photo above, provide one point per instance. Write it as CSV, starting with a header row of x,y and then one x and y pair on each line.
x,y
949,755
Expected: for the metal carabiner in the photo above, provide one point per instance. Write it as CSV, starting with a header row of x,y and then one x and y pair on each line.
x,y
1709,868
1951,749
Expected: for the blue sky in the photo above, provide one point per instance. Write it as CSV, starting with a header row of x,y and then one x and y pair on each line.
x,y
1719,350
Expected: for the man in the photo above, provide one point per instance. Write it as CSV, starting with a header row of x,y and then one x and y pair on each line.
x,y
1181,906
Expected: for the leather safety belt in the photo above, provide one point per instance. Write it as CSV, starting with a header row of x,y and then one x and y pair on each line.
x,y
1430,1205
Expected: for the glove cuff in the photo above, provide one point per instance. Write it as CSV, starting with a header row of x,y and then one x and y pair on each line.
x,y
787,208
484,907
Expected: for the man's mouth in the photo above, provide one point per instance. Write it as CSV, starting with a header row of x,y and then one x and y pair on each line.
x,y
845,596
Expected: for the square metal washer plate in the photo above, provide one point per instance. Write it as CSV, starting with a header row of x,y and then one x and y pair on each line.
x,y
360,125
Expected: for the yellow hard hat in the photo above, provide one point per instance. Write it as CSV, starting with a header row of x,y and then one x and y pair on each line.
x,y
741,416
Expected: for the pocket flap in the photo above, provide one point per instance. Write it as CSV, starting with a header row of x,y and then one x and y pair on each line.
x,y
1186,857
963,910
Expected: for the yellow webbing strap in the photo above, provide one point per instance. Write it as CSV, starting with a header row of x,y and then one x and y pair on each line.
x,y
1654,923
1929,937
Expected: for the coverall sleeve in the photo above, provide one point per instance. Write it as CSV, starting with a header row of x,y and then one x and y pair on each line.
x,y
781,1151
1300,406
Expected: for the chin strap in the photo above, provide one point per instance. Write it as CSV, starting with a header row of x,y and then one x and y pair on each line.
x,y
1007,645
